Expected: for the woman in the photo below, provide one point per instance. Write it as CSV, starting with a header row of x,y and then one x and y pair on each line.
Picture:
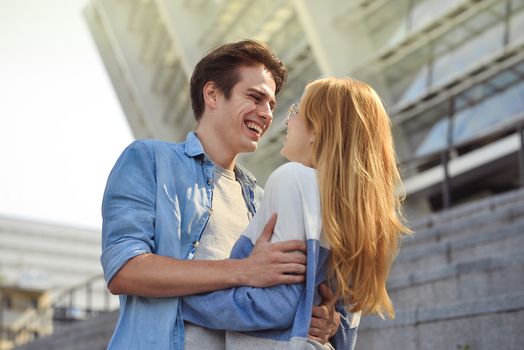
x,y
339,193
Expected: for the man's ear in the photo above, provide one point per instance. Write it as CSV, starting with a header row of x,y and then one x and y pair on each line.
x,y
211,93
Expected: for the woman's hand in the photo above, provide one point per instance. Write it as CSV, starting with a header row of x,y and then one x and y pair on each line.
x,y
325,320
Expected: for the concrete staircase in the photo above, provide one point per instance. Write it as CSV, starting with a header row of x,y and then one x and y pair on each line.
x,y
93,334
458,283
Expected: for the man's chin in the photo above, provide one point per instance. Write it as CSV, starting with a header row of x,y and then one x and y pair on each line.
x,y
252,147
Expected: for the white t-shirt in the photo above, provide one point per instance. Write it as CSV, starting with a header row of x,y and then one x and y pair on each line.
x,y
229,218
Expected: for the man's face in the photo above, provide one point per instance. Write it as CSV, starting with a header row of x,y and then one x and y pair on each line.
x,y
248,113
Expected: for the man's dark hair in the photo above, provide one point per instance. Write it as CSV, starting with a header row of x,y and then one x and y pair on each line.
x,y
220,66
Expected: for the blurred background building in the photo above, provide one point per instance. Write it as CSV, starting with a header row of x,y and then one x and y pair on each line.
x,y
50,277
451,75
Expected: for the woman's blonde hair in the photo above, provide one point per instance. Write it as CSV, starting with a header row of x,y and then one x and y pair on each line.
x,y
359,189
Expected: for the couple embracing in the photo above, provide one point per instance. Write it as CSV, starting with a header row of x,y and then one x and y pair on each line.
x,y
202,259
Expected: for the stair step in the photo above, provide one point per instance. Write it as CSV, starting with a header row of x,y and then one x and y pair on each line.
x,y
420,249
483,323
509,238
84,335
484,277
472,209
466,227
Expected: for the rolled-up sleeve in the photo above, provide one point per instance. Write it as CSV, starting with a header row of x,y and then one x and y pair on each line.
x,y
128,209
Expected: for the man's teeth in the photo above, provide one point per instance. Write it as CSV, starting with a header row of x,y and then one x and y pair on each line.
x,y
255,127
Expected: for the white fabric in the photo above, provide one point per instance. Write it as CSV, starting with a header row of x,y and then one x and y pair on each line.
x,y
229,218
292,192
227,221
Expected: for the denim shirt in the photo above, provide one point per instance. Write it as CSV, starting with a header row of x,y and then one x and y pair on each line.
x,y
158,200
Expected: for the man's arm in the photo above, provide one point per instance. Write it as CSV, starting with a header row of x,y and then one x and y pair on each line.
x,y
131,267
245,308
269,264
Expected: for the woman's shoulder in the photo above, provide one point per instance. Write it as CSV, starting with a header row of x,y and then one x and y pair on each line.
x,y
290,178
294,171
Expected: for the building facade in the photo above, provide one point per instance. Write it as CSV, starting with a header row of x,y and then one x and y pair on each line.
x,y
50,276
450,73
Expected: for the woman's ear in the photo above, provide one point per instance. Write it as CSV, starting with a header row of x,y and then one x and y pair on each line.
x,y
312,138
210,92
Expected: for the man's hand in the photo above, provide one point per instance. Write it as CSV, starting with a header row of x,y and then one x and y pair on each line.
x,y
271,264
325,320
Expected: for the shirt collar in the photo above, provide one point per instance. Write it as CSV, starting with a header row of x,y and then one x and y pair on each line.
x,y
194,149
242,173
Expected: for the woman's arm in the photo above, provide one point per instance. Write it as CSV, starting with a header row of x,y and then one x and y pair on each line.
x,y
292,193
244,308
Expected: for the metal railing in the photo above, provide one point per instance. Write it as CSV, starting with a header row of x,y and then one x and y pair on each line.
x,y
78,303
444,155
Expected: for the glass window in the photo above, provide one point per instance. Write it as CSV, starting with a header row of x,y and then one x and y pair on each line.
x,y
428,132
519,68
423,12
516,28
416,86
502,107
388,26
468,54
435,140
422,131
470,96
389,35
407,78
461,123
504,79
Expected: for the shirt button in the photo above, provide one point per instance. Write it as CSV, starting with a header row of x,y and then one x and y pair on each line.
x,y
196,244
209,181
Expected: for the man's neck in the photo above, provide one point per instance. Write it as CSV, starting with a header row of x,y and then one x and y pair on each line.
x,y
213,147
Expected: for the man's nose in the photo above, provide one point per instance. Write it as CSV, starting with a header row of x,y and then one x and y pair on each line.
x,y
265,112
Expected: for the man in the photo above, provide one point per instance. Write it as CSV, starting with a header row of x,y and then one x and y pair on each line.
x,y
166,204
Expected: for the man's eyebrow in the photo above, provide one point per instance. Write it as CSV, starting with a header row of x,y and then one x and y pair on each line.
x,y
264,94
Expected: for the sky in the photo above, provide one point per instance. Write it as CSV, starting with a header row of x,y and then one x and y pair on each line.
x,y
61,125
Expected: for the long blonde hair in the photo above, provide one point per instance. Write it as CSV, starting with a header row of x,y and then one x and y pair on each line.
x,y
359,189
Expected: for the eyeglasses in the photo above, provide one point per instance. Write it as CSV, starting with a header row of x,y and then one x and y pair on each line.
x,y
293,111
